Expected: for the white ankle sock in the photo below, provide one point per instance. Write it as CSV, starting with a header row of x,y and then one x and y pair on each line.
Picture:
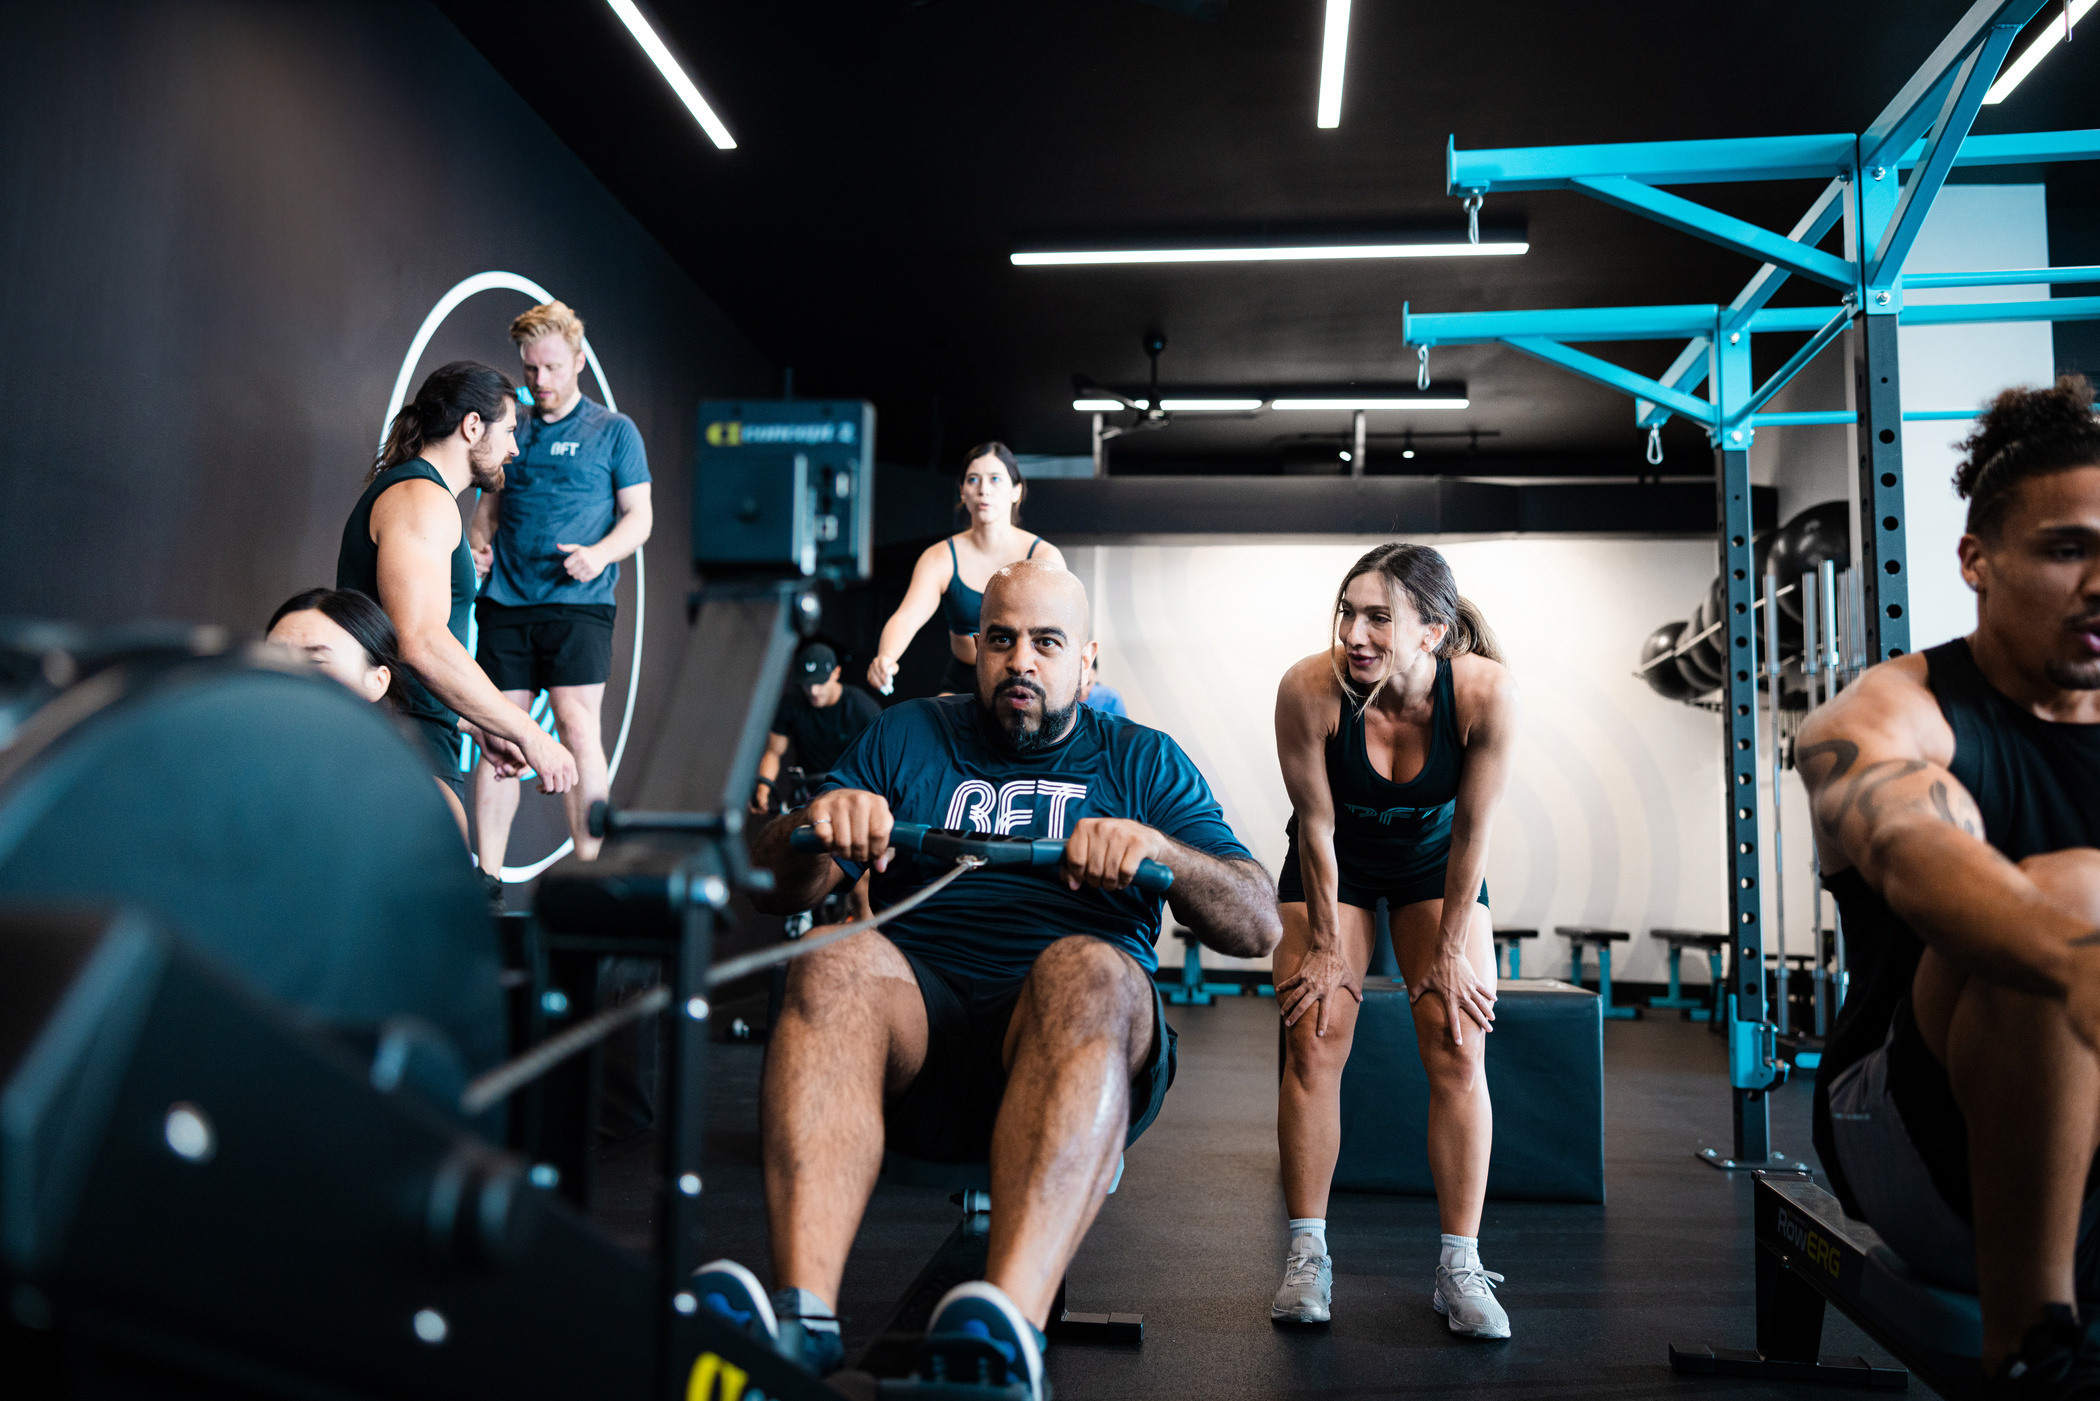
x,y
805,1308
1312,1226
1460,1250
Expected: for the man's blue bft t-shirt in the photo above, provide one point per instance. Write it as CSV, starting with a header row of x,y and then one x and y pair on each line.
x,y
933,762
559,490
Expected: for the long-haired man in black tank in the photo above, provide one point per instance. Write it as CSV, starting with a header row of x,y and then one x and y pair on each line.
x,y
405,547
1956,796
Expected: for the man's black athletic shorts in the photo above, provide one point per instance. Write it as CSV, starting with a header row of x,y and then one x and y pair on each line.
x,y
545,644
947,1113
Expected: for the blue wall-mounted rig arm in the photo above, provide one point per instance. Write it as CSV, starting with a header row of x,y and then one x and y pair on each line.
x,y
1963,101
1919,100
1613,376
1744,237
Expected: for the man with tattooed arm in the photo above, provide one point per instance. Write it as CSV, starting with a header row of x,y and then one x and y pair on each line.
x,y
1956,798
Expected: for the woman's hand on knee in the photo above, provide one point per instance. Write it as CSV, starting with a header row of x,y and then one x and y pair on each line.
x,y
1466,995
1323,976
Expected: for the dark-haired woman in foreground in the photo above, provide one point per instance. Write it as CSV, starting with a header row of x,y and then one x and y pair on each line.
x,y
1395,744
349,639
991,491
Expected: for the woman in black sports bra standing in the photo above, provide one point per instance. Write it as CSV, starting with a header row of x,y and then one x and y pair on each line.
x,y
1395,744
991,493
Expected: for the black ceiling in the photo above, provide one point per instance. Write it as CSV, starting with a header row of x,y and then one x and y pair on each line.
x,y
893,152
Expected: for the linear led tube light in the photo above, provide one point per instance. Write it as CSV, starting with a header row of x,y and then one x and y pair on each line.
x,y
1304,253
1334,54
1210,405
1104,405
2035,52
1368,405
638,25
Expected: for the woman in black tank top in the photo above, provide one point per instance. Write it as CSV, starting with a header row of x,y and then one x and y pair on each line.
x,y
1395,745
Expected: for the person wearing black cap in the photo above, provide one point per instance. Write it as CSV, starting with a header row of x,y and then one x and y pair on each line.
x,y
820,718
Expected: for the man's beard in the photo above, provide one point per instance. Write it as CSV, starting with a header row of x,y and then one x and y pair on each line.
x,y
1011,728
485,472
2073,676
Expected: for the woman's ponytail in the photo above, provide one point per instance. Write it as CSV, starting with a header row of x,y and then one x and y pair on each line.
x,y
1470,633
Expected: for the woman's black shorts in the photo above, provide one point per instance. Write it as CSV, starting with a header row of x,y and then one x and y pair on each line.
x,y
1365,895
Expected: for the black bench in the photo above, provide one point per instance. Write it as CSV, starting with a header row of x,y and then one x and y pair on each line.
x,y
1809,1254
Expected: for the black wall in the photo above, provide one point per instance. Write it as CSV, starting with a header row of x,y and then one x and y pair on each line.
x,y
222,225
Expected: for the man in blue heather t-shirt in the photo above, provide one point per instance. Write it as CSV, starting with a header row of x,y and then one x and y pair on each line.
x,y
1011,1017
575,503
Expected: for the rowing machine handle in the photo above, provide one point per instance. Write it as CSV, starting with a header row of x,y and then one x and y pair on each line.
x,y
1153,877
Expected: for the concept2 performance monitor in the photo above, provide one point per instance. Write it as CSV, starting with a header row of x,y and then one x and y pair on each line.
x,y
785,487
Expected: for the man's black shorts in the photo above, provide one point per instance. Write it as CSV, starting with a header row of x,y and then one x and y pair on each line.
x,y
947,1113
546,644
440,740
1902,1145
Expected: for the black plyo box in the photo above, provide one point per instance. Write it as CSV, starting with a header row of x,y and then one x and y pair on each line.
x,y
1545,1072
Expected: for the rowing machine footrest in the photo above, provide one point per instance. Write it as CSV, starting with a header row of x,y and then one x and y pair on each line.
x,y
1697,1359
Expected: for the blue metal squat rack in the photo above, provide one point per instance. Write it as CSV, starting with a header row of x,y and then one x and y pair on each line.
x,y
1924,131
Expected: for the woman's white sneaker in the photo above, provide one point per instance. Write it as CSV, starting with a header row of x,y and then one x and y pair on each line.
x,y
1465,1295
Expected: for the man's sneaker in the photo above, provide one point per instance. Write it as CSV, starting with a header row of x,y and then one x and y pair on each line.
x,y
805,1339
732,1293
2058,1360
1307,1295
978,1338
1466,1298
492,891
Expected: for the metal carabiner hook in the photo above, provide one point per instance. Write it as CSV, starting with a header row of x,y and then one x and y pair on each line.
x,y
1655,445
1473,203
1422,369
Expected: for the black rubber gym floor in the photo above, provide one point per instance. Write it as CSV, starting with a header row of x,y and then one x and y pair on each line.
x,y
1194,1241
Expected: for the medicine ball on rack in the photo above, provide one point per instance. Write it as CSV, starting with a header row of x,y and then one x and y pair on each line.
x,y
1803,543
1664,678
285,828
1698,673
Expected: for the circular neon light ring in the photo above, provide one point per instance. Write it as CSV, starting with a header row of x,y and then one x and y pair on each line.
x,y
510,281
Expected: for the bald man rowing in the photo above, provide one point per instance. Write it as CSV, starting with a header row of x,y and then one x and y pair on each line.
x,y
1011,1018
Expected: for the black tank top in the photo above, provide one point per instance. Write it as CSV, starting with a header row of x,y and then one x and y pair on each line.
x,y
1388,833
357,567
2037,784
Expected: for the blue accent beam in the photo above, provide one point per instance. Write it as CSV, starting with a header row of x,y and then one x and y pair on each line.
x,y
1687,372
1821,218
1973,80
2019,148
1613,376
1615,323
1511,168
1808,419
1654,162
1974,313
1715,227
2001,277
1904,117
1830,332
